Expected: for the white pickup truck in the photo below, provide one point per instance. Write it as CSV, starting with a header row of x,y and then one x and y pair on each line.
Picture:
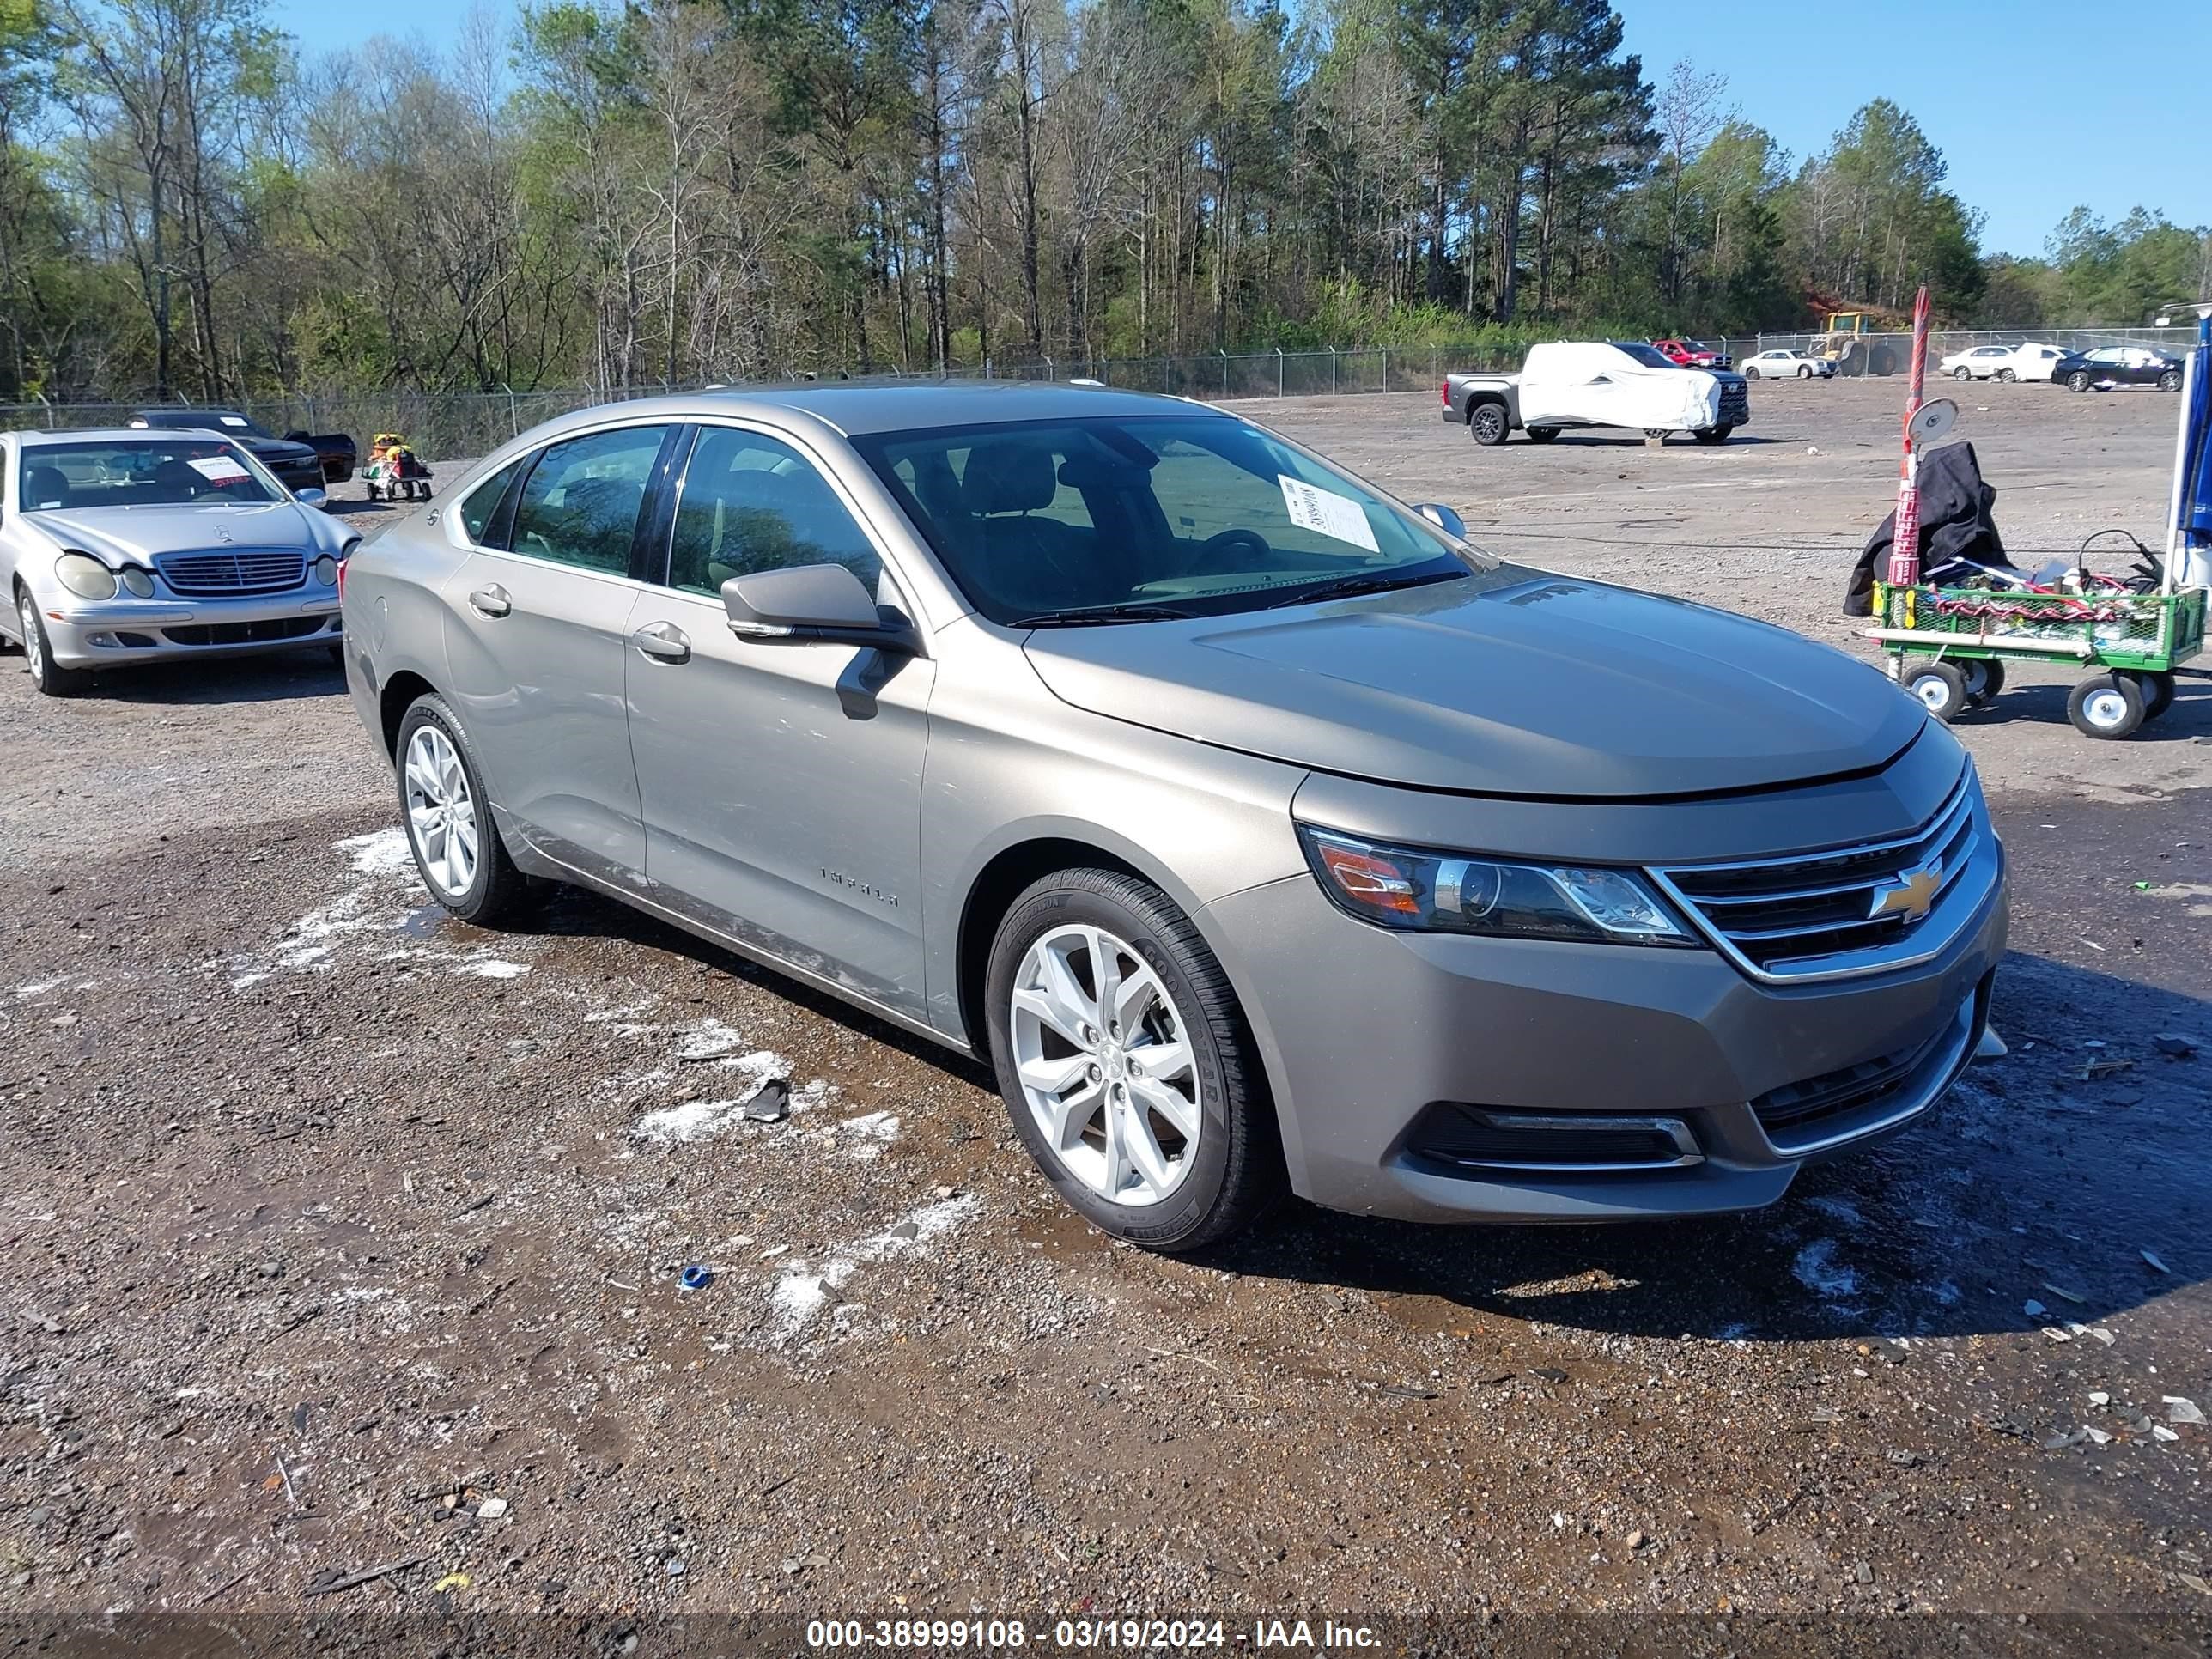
x,y
1598,383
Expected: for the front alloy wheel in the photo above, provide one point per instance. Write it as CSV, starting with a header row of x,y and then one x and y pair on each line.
x,y
49,676
1105,1066
1125,1063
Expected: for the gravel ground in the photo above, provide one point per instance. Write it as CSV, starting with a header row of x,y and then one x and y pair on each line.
x,y
336,1235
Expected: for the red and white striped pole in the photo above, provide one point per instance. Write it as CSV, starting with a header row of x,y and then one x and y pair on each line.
x,y
1904,547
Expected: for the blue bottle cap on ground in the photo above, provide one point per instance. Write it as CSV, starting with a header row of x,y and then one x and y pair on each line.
x,y
698,1278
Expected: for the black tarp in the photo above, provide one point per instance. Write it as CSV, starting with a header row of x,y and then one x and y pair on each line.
x,y
1956,523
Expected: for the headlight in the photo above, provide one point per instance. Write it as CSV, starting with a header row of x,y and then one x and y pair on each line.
x,y
326,570
137,581
1435,892
85,576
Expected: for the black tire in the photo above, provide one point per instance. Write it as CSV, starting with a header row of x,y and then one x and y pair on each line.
x,y
1962,372
1804,371
1941,689
1237,1175
498,889
2108,706
2157,690
1985,678
1883,361
1714,434
2078,380
2006,376
1542,435
1750,371
50,677
1488,425
2170,381
1656,434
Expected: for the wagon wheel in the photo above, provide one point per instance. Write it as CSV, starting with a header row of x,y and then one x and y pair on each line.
x,y
1941,688
2107,705
1984,679
2157,690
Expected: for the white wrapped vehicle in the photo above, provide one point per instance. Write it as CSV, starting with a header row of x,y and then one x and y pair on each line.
x,y
1576,383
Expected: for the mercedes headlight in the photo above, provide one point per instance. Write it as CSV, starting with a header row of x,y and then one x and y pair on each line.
x,y
1439,892
326,570
138,582
85,576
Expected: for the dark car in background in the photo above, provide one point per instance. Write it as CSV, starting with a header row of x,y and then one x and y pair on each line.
x,y
2111,366
299,462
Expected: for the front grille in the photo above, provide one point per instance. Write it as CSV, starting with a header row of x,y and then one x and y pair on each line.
x,y
1735,402
1851,911
246,632
228,575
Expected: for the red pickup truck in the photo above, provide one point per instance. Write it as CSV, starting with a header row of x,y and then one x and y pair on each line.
x,y
1693,353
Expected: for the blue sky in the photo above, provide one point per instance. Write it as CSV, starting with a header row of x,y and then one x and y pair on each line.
x,y
2036,104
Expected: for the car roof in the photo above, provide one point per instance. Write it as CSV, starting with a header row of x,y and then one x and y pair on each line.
x,y
106,435
855,410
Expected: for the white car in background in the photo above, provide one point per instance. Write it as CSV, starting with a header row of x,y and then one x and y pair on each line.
x,y
1781,365
2032,361
1988,362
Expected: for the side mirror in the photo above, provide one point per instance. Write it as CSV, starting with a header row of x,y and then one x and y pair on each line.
x,y
806,603
1443,518
311,496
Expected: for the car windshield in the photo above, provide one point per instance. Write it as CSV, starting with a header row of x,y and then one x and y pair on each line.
x,y
1137,518
1644,355
178,472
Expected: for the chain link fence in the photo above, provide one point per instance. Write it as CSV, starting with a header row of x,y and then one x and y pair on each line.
x,y
450,424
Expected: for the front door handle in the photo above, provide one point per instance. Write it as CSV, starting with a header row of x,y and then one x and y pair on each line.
x,y
663,643
490,601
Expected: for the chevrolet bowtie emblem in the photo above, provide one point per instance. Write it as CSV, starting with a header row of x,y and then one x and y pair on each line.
x,y
1910,895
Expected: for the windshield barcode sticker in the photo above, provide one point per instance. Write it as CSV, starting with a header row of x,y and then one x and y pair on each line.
x,y
1338,517
218,469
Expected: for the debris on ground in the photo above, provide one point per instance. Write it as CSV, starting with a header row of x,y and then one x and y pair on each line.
x,y
696,1278
2178,1410
2175,1045
2151,1256
491,1508
769,1103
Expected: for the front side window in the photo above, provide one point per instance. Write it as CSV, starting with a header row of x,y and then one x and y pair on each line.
x,y
151,472
580,503
751,502
1180,514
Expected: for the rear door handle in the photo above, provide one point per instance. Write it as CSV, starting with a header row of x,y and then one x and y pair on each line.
x,y
490,601
663,641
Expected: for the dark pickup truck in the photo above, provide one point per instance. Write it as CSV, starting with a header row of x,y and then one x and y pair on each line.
x,y
300,461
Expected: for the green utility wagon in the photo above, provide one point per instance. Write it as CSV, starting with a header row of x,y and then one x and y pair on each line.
x,y
1959,639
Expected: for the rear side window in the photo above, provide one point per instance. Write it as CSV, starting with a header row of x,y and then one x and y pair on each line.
x,y
480,504
580,503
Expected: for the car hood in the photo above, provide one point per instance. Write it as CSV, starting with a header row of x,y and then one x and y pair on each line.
x,y
140,534
1510,683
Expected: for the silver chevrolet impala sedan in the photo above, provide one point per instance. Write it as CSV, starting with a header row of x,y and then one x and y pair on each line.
x,y
125,547
1259,832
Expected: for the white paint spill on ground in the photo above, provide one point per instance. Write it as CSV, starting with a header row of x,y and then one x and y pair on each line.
x,y
690,1120
492,967
865,1137
1819,1272
379,852
805,1289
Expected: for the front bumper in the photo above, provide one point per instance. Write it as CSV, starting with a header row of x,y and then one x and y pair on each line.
x,y
1368,1035
121,632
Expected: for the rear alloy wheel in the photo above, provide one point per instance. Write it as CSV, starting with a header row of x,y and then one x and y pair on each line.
x,y
2170,381
2107,705
2078,380
49,676
1751,373
2157,690
2006,376
1941,688
456,846
1124,1063
1487,425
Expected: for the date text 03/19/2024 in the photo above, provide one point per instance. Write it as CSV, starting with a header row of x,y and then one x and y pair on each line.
x,y
1136,1635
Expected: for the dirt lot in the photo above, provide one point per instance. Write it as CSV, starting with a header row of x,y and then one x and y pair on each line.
x,y
336,1236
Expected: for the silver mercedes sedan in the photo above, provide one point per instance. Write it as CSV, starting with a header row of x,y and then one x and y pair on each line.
x,y
1259,832
120,548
